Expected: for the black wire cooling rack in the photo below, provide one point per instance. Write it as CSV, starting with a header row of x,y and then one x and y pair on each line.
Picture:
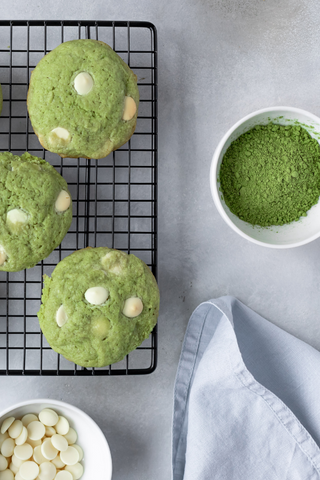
x,y
114,199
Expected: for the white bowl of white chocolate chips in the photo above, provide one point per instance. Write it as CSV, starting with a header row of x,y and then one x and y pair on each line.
x,y
51,440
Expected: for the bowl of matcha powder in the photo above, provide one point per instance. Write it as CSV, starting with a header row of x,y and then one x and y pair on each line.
x,y
265,177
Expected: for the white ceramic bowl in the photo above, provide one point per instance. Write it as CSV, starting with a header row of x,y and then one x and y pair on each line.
x,y
285,236
97,458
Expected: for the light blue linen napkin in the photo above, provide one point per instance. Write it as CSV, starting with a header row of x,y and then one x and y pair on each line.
x,y
246,401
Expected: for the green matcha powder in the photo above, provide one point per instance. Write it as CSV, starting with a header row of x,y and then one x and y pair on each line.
x,y
271,174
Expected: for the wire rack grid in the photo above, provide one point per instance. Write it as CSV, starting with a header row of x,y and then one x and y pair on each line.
x,y
114,199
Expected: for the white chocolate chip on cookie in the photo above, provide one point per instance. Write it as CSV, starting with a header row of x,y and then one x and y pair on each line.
x,y
60,133
100,327
83,83
114,262
63,201
16,219
96,295
130,109
132,307
3,256
61,317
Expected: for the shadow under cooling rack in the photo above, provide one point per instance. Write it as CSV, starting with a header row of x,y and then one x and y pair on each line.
x,y
114,198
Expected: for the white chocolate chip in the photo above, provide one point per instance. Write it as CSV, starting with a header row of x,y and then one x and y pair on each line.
x,y
30,417
16,461
100,328
71,436
96,295
47,471
23,452
37,455
3,436
114,262
7,447
63,201
3,463
6,424
48,450
22,437
132,307
70,456
130,109
60,134
59,442
18,477
62,427
7,475
83,83
80,451
34,443
29,470
17,218
50,431
3,256
61,318
58,462
13,468
15,429
76,470
64,475
36,430
47,416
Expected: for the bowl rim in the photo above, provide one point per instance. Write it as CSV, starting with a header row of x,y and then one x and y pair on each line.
x,y
214,174
62,405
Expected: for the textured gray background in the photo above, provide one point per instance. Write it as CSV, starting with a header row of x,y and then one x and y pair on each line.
x,y
218,61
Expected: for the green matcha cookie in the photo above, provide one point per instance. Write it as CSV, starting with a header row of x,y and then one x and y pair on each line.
x,y
1,99
35,210
99,305
83,100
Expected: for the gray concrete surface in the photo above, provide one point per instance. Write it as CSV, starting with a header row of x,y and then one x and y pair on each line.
x,y
218,61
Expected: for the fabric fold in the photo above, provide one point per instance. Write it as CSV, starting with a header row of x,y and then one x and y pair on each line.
x,y
246,399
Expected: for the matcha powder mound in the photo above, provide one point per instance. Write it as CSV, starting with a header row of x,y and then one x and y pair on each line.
x,y
271,174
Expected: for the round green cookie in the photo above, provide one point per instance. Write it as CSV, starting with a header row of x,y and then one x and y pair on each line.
x,y
35,210
99,305
83,100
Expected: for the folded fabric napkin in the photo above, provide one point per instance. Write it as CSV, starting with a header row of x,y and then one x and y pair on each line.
x,y
247,399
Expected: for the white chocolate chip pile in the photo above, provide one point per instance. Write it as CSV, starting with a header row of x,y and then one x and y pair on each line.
x,y
16,219
39,448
